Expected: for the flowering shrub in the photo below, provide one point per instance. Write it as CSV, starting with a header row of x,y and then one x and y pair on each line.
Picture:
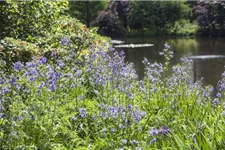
x,y
97,102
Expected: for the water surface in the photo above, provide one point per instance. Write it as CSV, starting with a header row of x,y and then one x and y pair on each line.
x,y
207,55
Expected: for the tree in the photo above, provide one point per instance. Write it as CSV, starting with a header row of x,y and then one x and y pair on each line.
x,y
211,17
86,11
156,14
113,20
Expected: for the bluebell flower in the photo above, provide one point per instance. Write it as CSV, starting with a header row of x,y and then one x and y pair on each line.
x,y
211,89
138,115
153,141
53,87
12,81
223,75
60,63
78,73
164,130
134,142
121,126
83,112
111,48
130,106
215,101
166,46
145,60
17,66
124,141
41,85
161,53
5,90
115,100
223,113
65,42
104,130
154,131
130,95
43,60
219,95
2,80
112,130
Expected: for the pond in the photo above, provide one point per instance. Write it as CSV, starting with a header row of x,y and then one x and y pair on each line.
x,y
208,55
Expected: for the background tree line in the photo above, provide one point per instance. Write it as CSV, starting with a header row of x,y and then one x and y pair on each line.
x,y
116,18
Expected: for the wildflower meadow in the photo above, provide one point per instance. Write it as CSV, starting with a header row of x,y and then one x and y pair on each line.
x,y
96,101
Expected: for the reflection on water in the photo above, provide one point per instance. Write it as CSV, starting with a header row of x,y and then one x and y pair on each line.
x,y
210,69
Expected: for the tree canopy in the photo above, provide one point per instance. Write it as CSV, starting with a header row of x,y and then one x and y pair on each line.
x,y
156,14
211,17
86,11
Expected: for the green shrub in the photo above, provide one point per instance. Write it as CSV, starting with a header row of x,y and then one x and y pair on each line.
x,y
13,50
26,19
183,28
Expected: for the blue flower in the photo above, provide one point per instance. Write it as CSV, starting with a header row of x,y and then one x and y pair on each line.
x,y
134,142
83,112
60,63
111,48
164,130
5,90
153,141
223,113
65,42
215,101
2,80
52,87
219,95
17,66
166,46
130,106
43,60
124,141
130,95
161,53
78,73
155,131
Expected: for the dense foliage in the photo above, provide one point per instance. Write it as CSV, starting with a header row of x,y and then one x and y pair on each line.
x,y
121,18
113,20
25,19
157,14
211,18
86,11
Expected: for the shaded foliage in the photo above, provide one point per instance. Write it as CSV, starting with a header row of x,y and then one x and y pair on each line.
x,y
156,14
211,18
113,20
86,11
